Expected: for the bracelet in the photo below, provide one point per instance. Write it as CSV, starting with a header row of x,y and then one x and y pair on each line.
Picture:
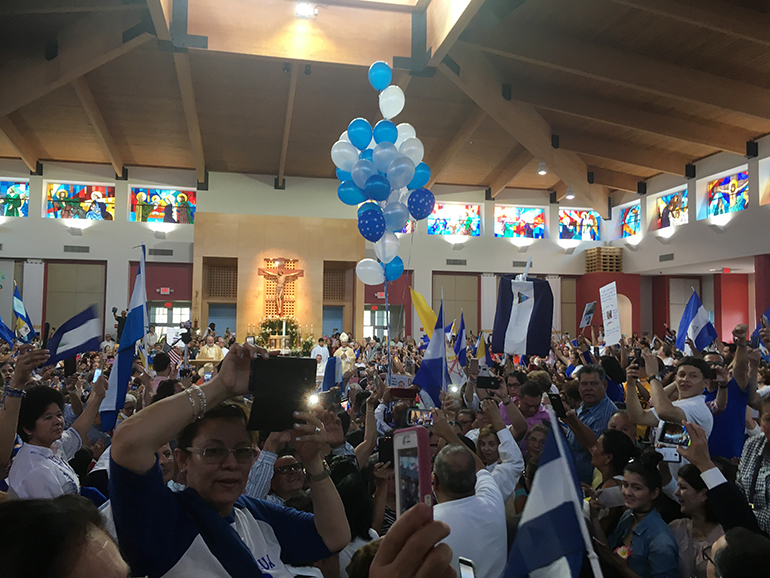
x,y
192,402
725,386
318,477
13,392
202,399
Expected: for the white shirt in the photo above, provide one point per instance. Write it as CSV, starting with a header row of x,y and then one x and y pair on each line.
x,y
477,527
322,351
43,473
507,473
346,555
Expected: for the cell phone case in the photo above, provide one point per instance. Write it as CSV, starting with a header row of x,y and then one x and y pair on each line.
x,y
279,386
425,488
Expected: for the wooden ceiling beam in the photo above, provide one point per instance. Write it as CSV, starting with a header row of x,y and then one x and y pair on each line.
x,y
725,138
27,7
614,179
720,17
595,146
280,182
506,171
160,12
184,78
446,20
556,51
470,71
87,44
469,126
97,121
22,146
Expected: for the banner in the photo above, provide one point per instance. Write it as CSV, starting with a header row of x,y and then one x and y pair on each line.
x,y
588,314
610,315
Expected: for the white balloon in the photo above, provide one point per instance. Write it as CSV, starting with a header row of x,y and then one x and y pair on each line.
x,y
386,248
383,154
344,155
404,195
412,148
400,172
392,101
344,137
395,196
361,171
370,272
405,131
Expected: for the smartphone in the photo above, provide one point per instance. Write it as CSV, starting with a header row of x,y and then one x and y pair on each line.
x,y
467,568
422,417
671,435
557,405
385,449
413,468
669,454
638,356
473,364
280,386
46,332
97,373
486,382
754,341
207,376
402,393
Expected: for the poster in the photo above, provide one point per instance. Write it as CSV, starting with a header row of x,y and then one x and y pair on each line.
x,y
588,314
399,380
610,315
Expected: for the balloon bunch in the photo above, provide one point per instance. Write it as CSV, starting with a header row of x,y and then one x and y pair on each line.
x,y
381,171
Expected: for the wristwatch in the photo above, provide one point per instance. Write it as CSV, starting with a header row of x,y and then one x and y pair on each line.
x,y
318,477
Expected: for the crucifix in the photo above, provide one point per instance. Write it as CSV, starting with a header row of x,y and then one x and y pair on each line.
x,y
281,275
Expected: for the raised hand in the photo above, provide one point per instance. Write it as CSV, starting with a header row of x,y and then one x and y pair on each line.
x,y
27,361
740,332
310,437
236,367
697,453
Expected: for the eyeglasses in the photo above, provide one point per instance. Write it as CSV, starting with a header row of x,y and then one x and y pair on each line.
x,y
461,422
706,553
216,454
289,468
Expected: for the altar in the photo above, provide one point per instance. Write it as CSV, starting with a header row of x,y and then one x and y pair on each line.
x,y
284,267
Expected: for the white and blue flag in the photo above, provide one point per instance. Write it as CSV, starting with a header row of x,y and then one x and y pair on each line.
x,y
460,345
552,536
695,324
80,334
6,334
763,347
24,329
133,331
432,376
524,317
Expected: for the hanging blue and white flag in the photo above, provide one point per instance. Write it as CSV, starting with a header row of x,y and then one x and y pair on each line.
x,y
524,317
552,536
695,324
460,345
332,373
6,334
24,329
763,347
432,376
80,334
133,331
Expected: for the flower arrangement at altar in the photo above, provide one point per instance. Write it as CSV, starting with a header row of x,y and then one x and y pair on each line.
x,y
274,325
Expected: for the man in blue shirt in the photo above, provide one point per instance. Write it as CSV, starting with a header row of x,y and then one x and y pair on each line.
x,y
595,412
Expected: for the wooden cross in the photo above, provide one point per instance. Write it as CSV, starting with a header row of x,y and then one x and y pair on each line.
x,y
281,275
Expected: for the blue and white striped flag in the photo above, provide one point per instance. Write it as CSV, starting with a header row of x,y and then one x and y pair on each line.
x,y
80,334
524,317
695,324
24,329
6,334
552,536
134,330
460,346
432,376
763,347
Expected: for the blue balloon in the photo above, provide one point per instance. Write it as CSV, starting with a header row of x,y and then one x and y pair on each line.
x,y
420,178
421,203
368,206
366,154
343,175
350,194
394,268
377,188
396,215
360,133
371,225
385,131
380,75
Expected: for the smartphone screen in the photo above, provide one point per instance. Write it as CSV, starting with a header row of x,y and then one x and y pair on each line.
x,y
413,468
385,449
422,417
409,479
473,364
673,434
467,569
207,376
97,373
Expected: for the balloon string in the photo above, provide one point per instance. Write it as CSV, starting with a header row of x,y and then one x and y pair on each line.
x,y
402,316
387,322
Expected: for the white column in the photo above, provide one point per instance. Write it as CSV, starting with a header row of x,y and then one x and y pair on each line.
x,y
6,291
32,295
555,282
488,297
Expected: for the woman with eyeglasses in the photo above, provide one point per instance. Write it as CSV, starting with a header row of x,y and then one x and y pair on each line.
x,y
210,529
696,533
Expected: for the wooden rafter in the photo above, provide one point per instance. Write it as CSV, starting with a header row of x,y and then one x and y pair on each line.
x,y
725,138
470,125
711,15
446,21
26,150
160,12
97,121
29,7
558,52
287,123
663,161
184,77
615,179
507,169
87,44
479,80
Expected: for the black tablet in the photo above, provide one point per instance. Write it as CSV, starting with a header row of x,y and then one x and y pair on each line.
x,y
280,386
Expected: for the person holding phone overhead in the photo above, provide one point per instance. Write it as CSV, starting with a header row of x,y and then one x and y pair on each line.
x,y
210,529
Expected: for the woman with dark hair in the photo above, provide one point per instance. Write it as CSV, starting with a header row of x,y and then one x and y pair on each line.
x,y
41,467
610,455
699,530
642,539
211,529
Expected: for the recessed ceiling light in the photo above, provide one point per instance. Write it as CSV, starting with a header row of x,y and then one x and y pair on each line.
x,y
570,194
541,170
306,10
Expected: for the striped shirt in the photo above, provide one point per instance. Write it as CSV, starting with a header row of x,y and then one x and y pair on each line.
x,y
596,418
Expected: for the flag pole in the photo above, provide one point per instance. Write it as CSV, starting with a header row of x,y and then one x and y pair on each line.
x,y
575,499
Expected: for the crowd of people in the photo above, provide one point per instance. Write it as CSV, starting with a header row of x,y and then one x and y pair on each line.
x,y
183,487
